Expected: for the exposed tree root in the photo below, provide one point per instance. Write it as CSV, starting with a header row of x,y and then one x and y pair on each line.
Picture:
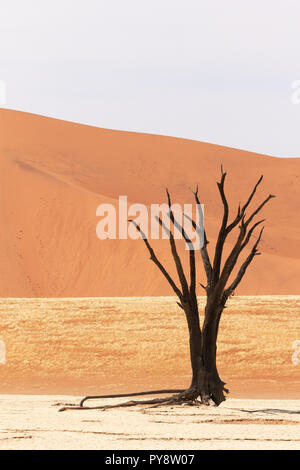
x,y
135,394
181,397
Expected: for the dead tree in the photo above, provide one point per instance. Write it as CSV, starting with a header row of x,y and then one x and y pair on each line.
x,y
206,384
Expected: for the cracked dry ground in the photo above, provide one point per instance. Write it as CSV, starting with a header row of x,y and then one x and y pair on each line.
x,y
33,422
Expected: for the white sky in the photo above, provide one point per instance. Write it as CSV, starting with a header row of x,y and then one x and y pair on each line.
x,y
216,71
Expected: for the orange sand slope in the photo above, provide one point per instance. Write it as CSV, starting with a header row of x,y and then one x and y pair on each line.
x,y
54,174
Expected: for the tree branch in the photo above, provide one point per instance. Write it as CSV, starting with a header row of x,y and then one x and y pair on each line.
x,y
241,241
192,288
250,233
243,268
271,196
241,212
157,262
176,258
204,253
222,232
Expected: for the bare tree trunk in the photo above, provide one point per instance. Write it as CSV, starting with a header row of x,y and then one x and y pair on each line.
x,y
195,343
206,382
213,385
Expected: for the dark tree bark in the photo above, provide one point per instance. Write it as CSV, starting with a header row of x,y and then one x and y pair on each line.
x,y
206,383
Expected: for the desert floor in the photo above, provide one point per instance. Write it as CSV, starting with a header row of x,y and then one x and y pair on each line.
x,y
58,350
108,345
33,422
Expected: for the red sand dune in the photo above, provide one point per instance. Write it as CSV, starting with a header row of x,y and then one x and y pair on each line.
x,y
54,174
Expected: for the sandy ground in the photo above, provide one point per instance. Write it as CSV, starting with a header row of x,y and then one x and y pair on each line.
x,y
120,345
33,422
58,348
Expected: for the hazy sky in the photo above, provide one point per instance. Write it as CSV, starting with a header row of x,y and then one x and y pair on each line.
x,y
216,71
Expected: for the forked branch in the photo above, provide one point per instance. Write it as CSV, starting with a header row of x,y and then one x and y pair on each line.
x,y
154,258
203,250
243,268
188,241
180,272
242,239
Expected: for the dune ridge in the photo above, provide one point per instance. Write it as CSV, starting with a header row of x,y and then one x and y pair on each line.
x,y
54,174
